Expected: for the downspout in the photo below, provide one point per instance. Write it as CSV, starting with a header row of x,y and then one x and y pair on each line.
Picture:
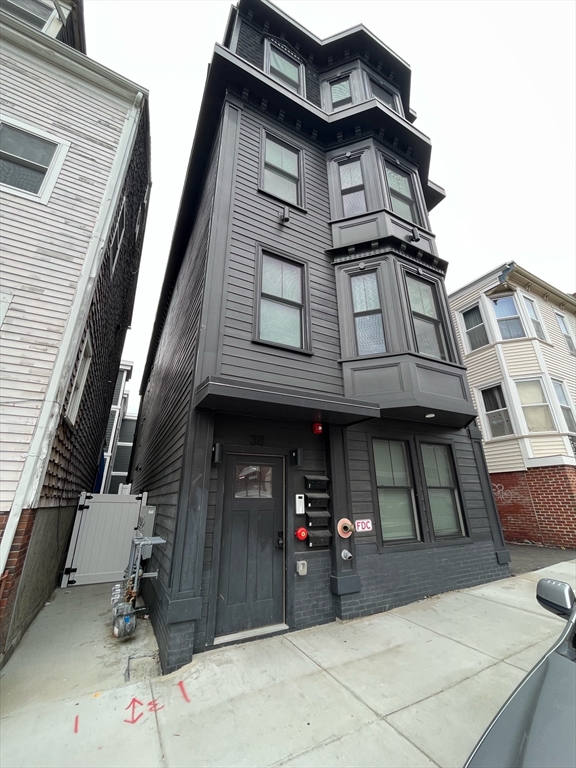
x,y
30,484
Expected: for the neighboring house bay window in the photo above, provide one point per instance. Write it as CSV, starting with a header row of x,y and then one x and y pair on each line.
x,y
475,328
535,406
442,491
428,328
508,318
281,171
566,407
496,411
282,309
396,502
534,319
30,160
367,311
31,11
566,332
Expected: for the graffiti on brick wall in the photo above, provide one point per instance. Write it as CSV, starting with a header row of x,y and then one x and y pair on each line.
x,y
504,495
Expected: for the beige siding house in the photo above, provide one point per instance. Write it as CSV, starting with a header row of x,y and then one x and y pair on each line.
x,y
517,334
70,131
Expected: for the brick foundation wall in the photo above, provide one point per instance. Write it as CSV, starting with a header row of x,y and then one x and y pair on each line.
x,y
14,567
537,506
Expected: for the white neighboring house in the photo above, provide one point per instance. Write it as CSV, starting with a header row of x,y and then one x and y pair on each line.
x,y
75,177
517,334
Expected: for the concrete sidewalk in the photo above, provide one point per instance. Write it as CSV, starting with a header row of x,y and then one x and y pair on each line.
x,y
412,687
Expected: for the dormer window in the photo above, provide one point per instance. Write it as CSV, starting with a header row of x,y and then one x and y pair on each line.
x,y
283,67
31,11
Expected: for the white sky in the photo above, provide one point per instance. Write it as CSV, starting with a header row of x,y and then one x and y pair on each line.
x,y
493,84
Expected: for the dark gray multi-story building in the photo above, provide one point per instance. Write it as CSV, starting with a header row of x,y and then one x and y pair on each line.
x,y
306,430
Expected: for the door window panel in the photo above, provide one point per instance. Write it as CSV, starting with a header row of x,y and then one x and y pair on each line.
x,y
442,491
253,481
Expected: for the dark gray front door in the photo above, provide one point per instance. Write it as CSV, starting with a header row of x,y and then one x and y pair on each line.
x,y
251,581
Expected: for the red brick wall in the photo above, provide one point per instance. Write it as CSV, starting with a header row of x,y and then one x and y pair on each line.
x,y
14,567
538,505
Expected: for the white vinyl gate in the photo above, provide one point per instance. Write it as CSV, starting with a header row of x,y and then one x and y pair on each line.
x,y
103,531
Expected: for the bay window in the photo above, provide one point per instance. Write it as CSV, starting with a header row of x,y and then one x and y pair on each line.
x,y
352,187
367,311
535,406
401,192
496,411
427,322
508,318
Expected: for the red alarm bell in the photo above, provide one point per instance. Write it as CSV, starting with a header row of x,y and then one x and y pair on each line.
x,y
301,534
316,428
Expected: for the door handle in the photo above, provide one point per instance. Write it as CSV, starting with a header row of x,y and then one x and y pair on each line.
x,y
280,541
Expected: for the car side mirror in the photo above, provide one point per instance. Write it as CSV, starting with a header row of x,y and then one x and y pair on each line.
x,y
556,596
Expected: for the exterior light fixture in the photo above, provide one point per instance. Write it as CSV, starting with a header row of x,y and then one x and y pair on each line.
x,y
430,415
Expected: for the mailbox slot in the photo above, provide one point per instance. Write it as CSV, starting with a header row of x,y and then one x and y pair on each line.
x,y
316,500
318,518
319,538
316,482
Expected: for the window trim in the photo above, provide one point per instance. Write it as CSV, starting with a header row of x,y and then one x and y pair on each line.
x,y
547,401
284,49
80,379
301,204
306,348
569,335
443,320
569,404
464,331
484,414
53,170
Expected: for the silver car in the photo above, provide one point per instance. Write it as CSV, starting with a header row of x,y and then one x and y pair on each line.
x,y
536,727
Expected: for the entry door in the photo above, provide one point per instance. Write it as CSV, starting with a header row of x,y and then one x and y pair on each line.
x,y
251,579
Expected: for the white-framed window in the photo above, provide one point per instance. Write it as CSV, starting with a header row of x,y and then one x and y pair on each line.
x,y
508,318
30,159
496,411
535,406
284,66
534,316
118,236
33,12
475,327
80,380
5,299
565,404
566,332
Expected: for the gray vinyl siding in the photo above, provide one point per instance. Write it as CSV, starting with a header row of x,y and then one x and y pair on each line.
x,y
166,403
306,237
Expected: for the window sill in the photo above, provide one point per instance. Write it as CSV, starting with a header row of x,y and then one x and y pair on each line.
x,y
272,196
286,347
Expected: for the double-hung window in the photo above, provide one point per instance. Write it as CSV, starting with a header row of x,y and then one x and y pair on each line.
x,y
367,311
282,307
383,95
31,11
429,334
535,406
496,411
352,187
565,406
442,491
80,381
396,502
285,68
566,332
534,319
340,92
508,318
401,192
282,171
475,328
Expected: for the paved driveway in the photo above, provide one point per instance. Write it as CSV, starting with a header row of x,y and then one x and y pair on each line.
x,y
412,687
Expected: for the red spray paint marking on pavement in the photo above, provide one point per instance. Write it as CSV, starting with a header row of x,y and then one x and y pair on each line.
x,y
183,691
76,723
133,704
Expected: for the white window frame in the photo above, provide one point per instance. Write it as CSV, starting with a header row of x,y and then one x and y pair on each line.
x,y
80,380
530,321
48,21
285,51
464,331
570,334
519,314
569,404
549,401
484,414
53,171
